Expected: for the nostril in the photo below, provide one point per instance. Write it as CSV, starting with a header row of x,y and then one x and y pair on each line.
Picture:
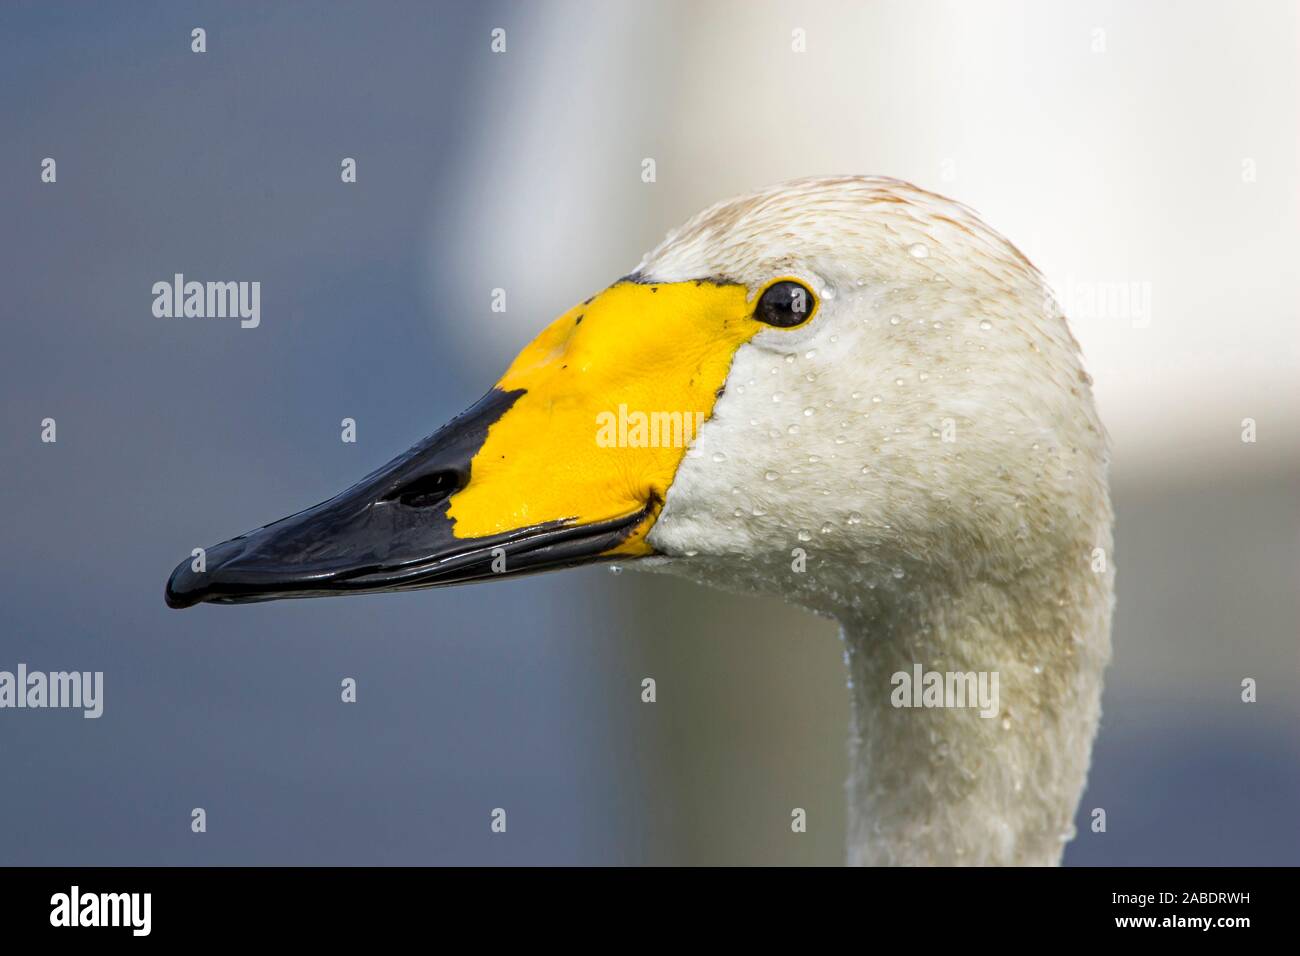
x,y
425,491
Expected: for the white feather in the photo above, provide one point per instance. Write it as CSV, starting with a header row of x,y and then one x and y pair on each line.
x,y
972,554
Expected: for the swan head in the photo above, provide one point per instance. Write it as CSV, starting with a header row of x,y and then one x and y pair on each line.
x,y
823,389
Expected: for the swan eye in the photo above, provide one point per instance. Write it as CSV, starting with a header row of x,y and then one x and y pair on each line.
x,y
785,304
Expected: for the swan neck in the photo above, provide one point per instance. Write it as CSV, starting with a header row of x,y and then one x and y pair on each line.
x,y
985,763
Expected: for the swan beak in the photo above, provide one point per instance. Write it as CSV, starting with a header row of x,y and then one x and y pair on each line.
x,y
540,474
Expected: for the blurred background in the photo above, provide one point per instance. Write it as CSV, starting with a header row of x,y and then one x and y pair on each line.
x,y
1149,147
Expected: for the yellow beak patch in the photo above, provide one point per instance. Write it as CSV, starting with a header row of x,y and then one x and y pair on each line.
x,y
613,392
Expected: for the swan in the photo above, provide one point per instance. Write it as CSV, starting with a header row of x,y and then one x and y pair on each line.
x,y
846,391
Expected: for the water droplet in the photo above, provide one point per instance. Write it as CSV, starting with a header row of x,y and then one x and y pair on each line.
x,y
719,456
923,376
793,430
616,569
771,475
777,396
876,399
894,320
856,395
898,573
898,382
813,459
919,250
854,516
809,411
827,528
985,325
1006,723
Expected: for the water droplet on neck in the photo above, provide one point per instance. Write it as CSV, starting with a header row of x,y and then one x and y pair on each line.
x,y
919,250
805,535
985,325
616,569
719,456
771,475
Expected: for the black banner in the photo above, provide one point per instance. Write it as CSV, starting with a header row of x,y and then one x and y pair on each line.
x,y
333,905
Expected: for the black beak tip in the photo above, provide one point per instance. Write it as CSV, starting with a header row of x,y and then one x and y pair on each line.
x,y
184,588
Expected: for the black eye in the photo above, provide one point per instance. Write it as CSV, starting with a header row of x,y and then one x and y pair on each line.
x,y
785,304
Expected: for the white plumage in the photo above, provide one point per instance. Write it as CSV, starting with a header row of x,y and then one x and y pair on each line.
x,y
930,443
